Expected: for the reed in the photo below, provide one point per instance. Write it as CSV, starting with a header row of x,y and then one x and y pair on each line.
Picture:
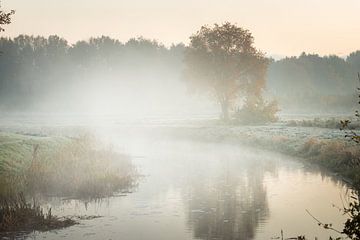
x,y
17,214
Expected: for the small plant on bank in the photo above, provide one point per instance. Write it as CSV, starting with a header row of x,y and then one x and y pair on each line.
x,y
352,225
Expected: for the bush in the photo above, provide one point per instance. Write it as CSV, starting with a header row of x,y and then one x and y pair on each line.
x,y
257,111
352,224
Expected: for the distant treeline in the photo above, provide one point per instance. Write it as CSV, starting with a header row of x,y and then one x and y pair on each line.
x,y
37,70
313,83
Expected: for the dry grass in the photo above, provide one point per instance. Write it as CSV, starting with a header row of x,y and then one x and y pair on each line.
x,y
80,169
339,156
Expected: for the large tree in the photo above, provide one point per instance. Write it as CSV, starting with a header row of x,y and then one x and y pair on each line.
x,y
223,61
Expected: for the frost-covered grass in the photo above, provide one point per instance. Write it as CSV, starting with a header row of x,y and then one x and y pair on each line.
x,y
333,123
16,150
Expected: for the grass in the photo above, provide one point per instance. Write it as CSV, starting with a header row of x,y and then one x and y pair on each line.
x,y
17,149
332,123
339,156
79,168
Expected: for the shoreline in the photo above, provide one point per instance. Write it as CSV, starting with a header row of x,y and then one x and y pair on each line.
x,y
326,148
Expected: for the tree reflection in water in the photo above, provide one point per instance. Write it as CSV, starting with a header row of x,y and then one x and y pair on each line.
x,y
230,205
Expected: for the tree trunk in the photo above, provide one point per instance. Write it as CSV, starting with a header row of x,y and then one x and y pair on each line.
x,y
225,110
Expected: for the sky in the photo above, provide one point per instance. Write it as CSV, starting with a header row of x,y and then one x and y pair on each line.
x,y
280,27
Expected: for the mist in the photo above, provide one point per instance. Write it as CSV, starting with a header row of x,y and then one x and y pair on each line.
x,y
206,138
142,77
101,76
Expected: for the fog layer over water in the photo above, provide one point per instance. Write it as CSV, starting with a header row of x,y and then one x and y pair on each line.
x,y
194,190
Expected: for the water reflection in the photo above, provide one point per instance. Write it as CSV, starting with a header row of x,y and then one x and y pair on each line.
x,y
229,206
209,191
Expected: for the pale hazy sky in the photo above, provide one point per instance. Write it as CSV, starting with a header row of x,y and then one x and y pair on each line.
x,y
284,27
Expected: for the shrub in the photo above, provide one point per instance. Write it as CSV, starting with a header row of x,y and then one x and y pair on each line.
x,y
257,111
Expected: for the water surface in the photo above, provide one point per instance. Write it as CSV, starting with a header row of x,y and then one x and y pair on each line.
x,y
194,190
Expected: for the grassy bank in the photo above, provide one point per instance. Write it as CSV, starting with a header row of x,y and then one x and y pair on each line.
x,y
33,166
77,167
16,150
325,147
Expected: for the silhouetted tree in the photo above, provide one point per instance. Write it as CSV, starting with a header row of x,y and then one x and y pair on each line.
x,y
5,18
222,60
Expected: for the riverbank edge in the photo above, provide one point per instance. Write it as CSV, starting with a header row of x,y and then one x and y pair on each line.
x,y
337,156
